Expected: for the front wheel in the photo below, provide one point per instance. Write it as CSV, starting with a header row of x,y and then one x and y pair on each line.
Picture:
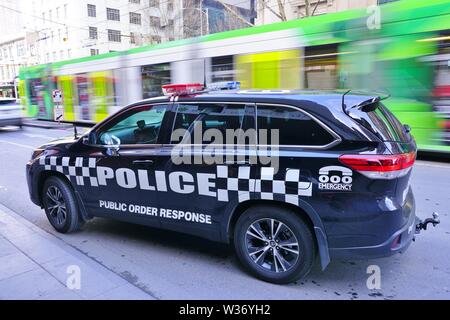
x,y
274,244
60,205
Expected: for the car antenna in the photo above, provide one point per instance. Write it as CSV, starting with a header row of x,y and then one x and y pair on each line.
x,y
343,99
204,74
75,132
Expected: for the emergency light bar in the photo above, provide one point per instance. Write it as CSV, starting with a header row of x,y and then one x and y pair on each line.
x,y
181,89
191,88
224,85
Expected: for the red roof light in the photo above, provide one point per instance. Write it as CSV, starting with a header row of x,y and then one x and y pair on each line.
x,y
181,89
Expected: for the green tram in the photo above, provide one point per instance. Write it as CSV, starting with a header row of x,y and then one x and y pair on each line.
x,y
403,48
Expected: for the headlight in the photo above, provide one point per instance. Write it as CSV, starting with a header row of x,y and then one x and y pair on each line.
x,y
36,153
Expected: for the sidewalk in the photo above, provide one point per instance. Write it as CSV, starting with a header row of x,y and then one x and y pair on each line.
x,y
37,265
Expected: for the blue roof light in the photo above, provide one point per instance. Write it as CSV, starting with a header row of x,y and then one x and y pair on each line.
x,y
224,85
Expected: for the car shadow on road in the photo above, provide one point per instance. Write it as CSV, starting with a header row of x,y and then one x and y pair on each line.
x,y
343,279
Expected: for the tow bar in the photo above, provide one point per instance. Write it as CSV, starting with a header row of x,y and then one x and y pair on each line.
x,y
422,225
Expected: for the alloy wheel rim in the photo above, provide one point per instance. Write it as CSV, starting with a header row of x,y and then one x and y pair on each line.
x,y
56,206
272,245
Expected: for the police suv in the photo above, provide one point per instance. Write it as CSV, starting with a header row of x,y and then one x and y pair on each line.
x,y
286,176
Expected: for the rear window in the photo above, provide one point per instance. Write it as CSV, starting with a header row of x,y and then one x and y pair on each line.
x,y
294,127
382,123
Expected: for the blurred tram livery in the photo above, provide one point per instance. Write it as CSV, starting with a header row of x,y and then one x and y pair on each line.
x,y
407,54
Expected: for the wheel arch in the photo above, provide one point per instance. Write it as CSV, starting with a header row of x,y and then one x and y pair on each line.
x,y
304,211
46,174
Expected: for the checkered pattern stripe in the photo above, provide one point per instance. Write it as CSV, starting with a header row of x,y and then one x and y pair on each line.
x,y
79,170
267,187
229,181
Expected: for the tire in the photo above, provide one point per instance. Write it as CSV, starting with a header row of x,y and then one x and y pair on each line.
x,y
259,256
56,195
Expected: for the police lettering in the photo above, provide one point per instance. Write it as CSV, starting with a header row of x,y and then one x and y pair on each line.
x,y
179,182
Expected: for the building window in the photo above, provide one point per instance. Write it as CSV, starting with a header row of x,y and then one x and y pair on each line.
x,y
155,39
94,52
155,22
20,50
92,10
132,38
380,2
135,1
113,14
114,35
135,18
154,3
170,5
93,33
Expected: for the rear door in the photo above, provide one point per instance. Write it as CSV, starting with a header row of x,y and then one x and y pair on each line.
x,y
291,150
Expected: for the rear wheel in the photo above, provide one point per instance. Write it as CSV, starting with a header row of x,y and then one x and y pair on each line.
x,y
60,205
274,244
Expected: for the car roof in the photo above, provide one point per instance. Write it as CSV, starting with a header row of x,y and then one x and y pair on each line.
x,y
327,98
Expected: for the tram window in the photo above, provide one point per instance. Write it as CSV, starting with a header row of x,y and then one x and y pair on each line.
x,y
153,78
222,69
321,67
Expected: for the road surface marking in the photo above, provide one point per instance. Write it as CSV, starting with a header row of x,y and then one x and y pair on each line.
x,y
18,144
30,135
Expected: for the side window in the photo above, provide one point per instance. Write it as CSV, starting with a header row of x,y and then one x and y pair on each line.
x,y
140,125
294,127
207,119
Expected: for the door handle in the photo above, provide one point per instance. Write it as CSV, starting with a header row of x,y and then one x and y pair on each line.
x,y
242,162
143,162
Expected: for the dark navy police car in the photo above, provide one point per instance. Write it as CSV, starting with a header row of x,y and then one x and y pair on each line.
x,y
340,186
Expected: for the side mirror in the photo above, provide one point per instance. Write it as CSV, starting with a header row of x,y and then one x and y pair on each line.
x,y
112,144
85,139
88,139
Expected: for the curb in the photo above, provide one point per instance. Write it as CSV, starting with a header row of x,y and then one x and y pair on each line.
x,y
44,124
50,257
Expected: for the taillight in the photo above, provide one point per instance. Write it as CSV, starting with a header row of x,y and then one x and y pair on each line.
x,y
380,166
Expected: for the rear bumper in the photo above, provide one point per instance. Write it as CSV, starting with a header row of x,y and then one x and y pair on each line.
x,y
398,242
10,122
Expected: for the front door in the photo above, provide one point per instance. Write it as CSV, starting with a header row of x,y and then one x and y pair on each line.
x,y
124,182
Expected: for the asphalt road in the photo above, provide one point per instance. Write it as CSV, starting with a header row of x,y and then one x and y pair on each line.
x,y
168,265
